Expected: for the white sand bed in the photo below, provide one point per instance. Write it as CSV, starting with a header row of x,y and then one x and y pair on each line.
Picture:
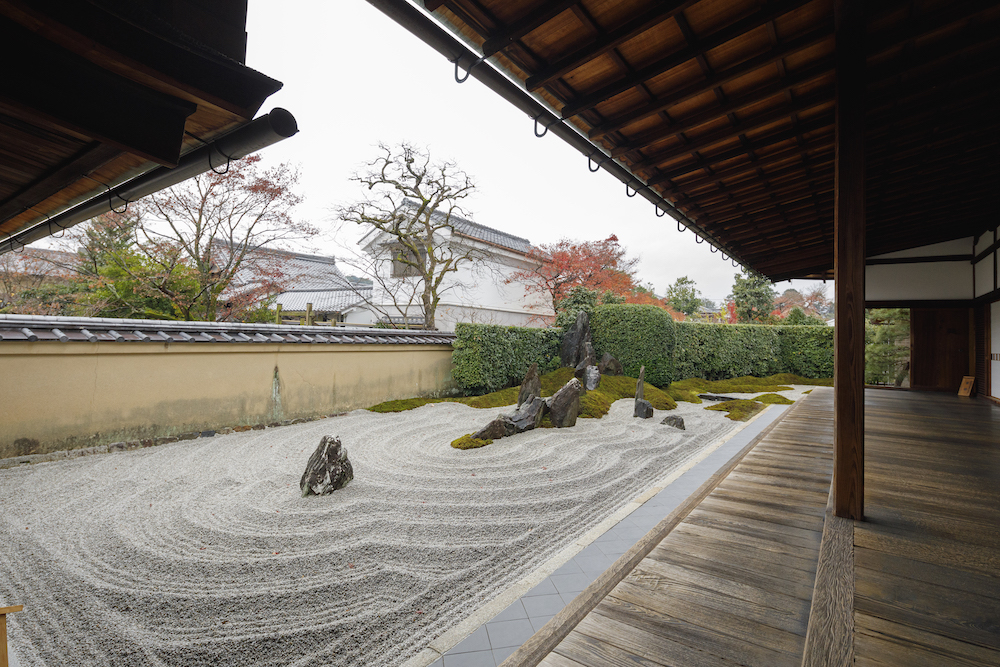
x,y
204,553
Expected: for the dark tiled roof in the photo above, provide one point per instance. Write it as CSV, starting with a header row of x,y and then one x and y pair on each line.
x,y
110,330
484,233
324,301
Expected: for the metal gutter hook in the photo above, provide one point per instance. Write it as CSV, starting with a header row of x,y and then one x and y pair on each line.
x,y
590,163
660,212
680,227
546,130
467,71
698,239
725,257
629,192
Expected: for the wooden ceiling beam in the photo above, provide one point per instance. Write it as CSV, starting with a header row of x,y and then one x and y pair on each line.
x,y
93,156
750,192
792,199
105,107
798,105
694,50
810,125
754,180
518,29
658,13
775,53
733,104
819,145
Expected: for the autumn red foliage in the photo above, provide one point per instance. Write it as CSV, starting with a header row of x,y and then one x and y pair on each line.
x,y
602,266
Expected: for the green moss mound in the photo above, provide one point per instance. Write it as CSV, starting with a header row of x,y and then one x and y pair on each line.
x,y
773,399
685,395
468,442
746,384
739,410
809,391
594,404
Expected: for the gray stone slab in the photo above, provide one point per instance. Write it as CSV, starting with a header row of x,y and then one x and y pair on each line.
x,y
479,640
509,633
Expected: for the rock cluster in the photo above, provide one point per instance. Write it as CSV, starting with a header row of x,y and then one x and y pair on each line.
x,y
563,407
328,469
643,408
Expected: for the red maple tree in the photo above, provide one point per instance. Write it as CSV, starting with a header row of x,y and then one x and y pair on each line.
x,y
601,266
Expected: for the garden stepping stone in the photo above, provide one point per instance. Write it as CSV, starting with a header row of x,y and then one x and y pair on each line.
x,y
714,397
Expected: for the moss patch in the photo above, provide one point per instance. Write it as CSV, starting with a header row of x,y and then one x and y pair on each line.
x,y
742,385
773,399
739,410
808,391
685,395
468,442
594,404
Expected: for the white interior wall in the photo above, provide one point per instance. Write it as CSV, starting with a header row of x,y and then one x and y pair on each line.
x,y
919,282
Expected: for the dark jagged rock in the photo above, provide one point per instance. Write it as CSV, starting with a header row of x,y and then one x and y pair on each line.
x,y
496,429
528,415
610,366
643,408
675,421
713,397
591,378
328,469
564,405
575,340
587,355
531,386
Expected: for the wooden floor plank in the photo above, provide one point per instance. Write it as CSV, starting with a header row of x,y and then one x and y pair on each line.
x,y
905,635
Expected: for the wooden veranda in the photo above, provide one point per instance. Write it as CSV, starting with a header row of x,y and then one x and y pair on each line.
x,y
759,572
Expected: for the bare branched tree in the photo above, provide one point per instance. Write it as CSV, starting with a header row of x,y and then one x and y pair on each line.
x,y
409,215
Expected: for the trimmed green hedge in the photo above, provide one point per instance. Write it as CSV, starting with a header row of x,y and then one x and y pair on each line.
x,y
489,357
806,350
636,336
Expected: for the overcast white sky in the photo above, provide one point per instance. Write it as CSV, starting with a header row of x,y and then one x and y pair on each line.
x,y
353,77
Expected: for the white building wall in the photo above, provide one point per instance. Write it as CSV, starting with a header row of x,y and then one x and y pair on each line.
x,y
480,293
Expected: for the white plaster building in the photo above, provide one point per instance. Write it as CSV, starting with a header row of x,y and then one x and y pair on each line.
x,y
483,290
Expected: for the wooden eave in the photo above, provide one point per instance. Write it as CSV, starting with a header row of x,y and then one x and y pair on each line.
x,y
725,108
105,99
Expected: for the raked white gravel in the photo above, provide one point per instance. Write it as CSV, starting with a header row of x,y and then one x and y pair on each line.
x,y
203,552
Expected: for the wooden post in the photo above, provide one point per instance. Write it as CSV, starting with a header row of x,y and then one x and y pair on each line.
x,y
3,631
309,314
849,262
277,314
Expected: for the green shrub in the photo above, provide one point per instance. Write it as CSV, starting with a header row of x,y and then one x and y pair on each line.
x,y
489,357
720,351
636,336
805,350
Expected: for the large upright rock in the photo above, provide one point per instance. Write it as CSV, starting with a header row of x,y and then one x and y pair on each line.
x,y
328,469
609,365
531,386
564,405
643,408
575,340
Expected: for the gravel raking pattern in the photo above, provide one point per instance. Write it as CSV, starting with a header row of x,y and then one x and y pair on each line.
x,y
203,552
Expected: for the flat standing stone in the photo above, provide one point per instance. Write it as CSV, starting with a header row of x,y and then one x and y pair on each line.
x,y
328,469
